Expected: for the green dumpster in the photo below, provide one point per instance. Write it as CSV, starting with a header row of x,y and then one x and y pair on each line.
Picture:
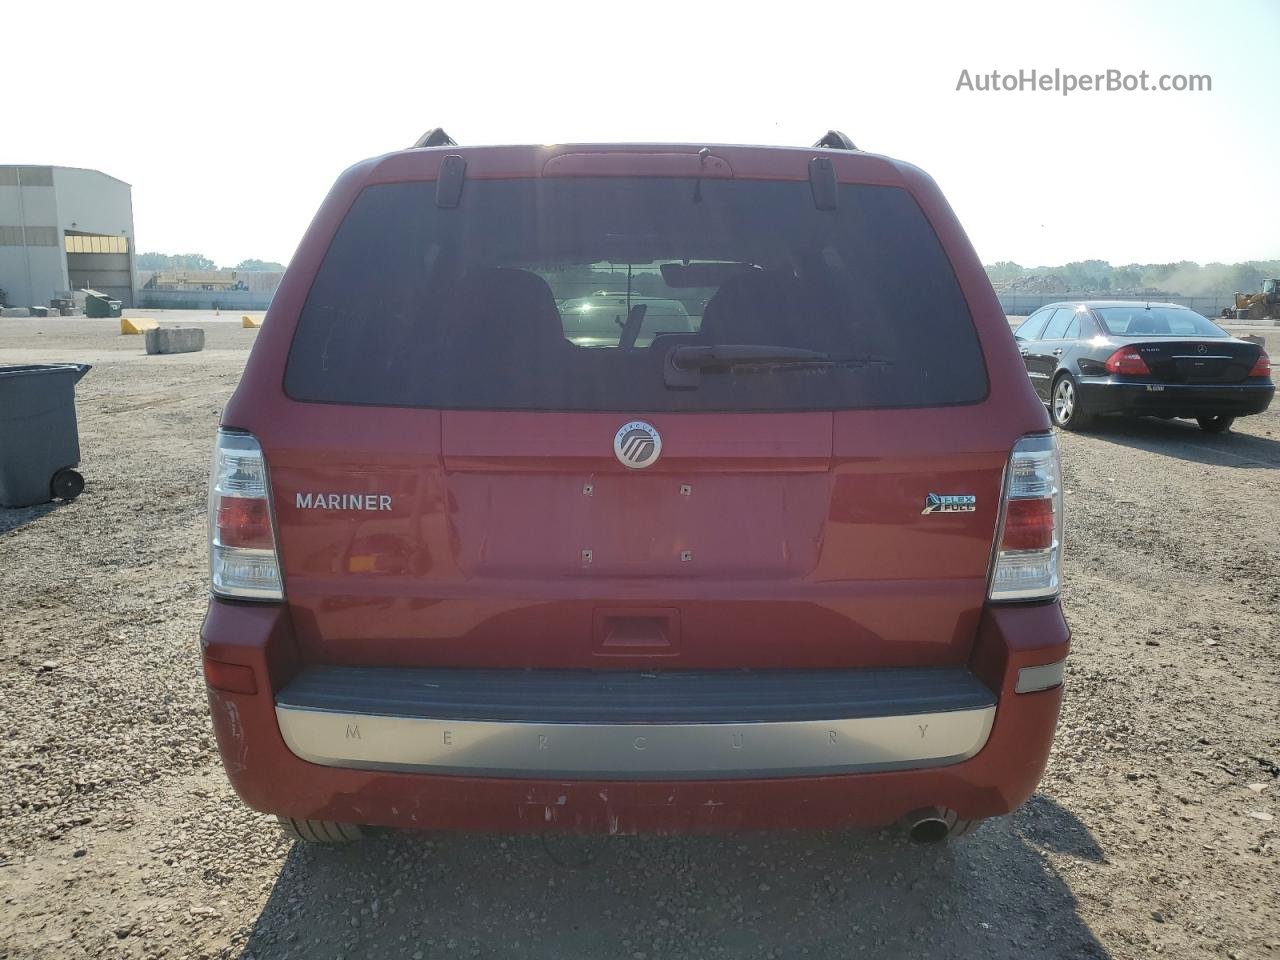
x,y
100,305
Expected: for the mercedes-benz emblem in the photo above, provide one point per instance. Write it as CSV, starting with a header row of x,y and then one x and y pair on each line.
x,y
1201,349
637,445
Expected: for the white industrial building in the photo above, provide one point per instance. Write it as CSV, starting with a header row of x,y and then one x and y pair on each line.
x,y
64,229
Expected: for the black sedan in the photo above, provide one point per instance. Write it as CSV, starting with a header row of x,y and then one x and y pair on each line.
x,y
1095,357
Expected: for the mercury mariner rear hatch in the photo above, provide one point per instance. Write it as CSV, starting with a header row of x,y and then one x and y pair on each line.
x,y
763,452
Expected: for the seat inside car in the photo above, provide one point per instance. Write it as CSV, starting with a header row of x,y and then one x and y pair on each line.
x,y
499,310
1144,323
753,308
502,322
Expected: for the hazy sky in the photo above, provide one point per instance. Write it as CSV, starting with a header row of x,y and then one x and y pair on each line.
x,y
231,120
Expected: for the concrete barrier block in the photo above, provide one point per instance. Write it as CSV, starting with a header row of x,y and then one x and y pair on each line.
x,y
135,325
14,312
175,340
39,311
249,323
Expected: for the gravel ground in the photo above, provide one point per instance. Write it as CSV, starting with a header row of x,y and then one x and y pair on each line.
x,y
1155,829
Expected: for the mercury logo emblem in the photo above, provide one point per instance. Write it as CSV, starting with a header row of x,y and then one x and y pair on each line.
x,y
637,445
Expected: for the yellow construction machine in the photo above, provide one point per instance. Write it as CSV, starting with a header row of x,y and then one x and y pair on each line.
x,y
1257,306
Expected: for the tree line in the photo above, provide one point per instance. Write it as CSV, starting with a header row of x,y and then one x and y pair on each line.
x,y
1185,278
198,261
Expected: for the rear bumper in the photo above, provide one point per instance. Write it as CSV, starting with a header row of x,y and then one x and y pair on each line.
x,y
578,724
1111,395
380,766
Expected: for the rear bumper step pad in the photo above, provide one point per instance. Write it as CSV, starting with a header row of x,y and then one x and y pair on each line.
x,y
620,725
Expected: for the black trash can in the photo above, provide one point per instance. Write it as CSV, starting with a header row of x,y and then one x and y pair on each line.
x,y
39,440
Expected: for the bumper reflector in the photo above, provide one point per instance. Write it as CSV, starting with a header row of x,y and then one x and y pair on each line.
x,y
1044,677
231,677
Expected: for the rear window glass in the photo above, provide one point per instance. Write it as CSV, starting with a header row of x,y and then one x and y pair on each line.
x,y
569,294
1142,321
1031,327
1057,328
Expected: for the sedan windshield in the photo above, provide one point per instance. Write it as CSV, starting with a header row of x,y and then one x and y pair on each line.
x,y
1143,321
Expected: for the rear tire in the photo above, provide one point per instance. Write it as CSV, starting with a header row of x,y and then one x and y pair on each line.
x,y
1065,406
320,831
1215,424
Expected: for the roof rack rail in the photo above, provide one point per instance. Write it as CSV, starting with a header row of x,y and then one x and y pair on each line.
x,y
435,137
835,140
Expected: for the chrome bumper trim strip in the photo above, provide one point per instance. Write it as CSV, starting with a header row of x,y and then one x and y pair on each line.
x,y
634,751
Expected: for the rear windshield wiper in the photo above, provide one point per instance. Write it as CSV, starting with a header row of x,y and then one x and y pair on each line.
x,y
685,365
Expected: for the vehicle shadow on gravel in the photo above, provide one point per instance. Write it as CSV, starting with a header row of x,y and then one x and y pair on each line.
x,y
1185,440
13,518
992,895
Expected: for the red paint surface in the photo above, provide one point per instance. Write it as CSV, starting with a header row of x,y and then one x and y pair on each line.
x,y
801,525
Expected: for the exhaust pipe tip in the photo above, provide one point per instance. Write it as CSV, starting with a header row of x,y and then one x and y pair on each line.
x,y
930,825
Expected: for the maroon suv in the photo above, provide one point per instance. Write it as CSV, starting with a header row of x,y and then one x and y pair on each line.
x,y
783,551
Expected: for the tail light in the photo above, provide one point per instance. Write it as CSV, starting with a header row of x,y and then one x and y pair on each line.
x,y
1263,367
242,544
1028,563
1127,362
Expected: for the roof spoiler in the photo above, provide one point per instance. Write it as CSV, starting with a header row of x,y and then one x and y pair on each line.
x,y
435,137
831,140
835,140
